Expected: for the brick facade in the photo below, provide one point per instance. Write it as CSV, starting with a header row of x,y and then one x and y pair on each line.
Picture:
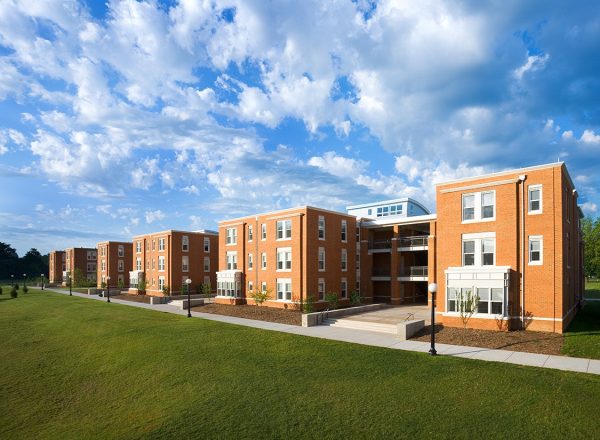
x,y
114,261
56,266
83,259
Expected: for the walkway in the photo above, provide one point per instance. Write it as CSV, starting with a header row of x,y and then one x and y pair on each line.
x,y
579,365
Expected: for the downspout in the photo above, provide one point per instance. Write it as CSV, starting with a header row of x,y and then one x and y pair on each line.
x,y
257,260
522,179
301,260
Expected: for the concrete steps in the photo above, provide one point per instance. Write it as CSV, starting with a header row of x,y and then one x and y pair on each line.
x,y
361,325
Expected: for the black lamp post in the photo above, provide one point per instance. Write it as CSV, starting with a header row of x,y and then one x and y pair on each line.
x,y
12,281
188,282
70,285
24,275
42,281
108,289
433,289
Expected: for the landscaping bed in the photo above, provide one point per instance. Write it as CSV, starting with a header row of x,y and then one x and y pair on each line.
x,y
261,313
527,341
133,298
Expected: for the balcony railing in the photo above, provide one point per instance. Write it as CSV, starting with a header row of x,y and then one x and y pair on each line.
x,y
380,244
415,241
380,272
414,271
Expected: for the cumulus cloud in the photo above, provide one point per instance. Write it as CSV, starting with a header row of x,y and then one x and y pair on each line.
x,y
153,216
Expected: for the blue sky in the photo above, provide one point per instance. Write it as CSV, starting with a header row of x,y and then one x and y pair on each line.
x,y
123,117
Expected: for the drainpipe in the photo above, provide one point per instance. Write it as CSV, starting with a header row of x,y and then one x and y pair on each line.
x,y
522,179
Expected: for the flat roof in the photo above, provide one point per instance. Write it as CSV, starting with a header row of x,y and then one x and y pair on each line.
x,y
281,211
387,221
175,230
389,202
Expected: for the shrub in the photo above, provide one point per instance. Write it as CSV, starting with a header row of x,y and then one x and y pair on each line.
x,y
25,289
103,285
16,286
142,286
14,292
308,305
120,284
466,302
206,289
260,296
332,300
166,291
355,298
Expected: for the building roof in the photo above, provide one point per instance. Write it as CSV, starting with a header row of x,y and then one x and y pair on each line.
x,y
389,202
281,211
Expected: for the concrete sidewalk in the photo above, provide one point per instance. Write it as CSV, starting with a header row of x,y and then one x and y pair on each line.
x,y
579,365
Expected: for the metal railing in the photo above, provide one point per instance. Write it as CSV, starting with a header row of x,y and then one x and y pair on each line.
x,y
414,241
380,244
414,271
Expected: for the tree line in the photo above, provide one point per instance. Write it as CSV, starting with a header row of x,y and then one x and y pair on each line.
x,y
32,263
591,252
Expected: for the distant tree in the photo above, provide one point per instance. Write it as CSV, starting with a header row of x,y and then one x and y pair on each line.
x,y
9,261
33,264
591,239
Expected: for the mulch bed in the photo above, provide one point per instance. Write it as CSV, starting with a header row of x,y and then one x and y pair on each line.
x,y
261,313
527,341
132,298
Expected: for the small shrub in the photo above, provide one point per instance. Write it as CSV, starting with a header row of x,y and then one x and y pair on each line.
x,y
355,298
166,291
332,300
260,296
308,305
103,285
16,286
25,288
14,292
206,289
121,284
142,286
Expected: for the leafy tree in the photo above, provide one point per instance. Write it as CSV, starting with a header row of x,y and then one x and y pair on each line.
x,y
9,261
591,239
260,296
332,300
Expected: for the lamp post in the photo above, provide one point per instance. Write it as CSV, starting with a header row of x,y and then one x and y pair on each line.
x,y
433,289
108,289
70,285
42,275
188,282
24,275
12,280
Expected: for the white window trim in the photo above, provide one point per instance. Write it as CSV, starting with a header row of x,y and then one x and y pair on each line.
x,y
231,239
344,281
250,233
283,281
206,242
283,251
319,282
161,258
541,208
263,231
345,267
263,261
344,227
185,243
478,238
231,260
250,261
319,251
539,238
478,205
206,266
321,218
283,231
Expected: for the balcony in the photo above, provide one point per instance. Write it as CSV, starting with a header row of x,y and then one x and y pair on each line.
x,y
415,243
380,272
380,246
413,273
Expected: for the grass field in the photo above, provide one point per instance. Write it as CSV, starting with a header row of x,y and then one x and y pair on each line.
x,y
592,289
75,368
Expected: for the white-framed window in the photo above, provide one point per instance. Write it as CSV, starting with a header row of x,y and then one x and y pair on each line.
x,y
263,231
231,260
263,286
479,206
185,263
321,226
250,262
103,265
479,249
284,289
344,288
206,244
284,259
284,229
103,251
206,264
321,263
121,265
344,260
138,247
344,231
161,283
121,251
161,244
321,289
185,243
161,264
153,264
138,263
536,250
231,236
263,261
250,233
153,244
250,286
491,300
534,193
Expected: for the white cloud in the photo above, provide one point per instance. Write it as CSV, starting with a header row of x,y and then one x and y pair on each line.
x,y
338,165
589,208
152,216
589,137
533,63
191,189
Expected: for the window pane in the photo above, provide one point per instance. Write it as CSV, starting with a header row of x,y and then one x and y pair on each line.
x,y
469,247
484,294
469,201
469,260
451,293
487,211
487,199
534,245
498,295
497,308
482,307
452,305
488,259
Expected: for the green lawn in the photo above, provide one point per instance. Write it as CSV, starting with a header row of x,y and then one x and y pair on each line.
x,y
73,368
582,338
592,289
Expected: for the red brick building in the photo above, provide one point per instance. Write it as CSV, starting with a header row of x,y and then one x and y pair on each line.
x,y
114,261
82,259
56,266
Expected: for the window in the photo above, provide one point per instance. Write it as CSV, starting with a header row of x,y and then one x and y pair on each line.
x,y
263,261
161,244
284,258
344,288
91,255
370,212
263,231
250,289
321,227
384,211
231,260
231,237
535,199
321,259
206,264
103,251
103,265
344,230
161,283
91,267
249,232
185,263
153,245
121,251
284,289
147,264
138,263
206,244
357,261
121,265
153,263
479,206
120,279
469,253
488,251
185,243
207,280
161,264
263,286
284,229
344,260
250,262
138,247
536,247
321,289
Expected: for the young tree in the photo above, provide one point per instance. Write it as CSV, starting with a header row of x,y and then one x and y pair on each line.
x,y
332,300
466,301
260,296
591,239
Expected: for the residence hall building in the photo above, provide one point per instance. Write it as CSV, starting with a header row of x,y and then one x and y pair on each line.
x,y
164,260
56,266
114,261
293,253
83,259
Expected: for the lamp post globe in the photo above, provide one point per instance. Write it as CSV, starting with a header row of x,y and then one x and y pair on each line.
x,y
432,289
188,282
108,289
24,276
